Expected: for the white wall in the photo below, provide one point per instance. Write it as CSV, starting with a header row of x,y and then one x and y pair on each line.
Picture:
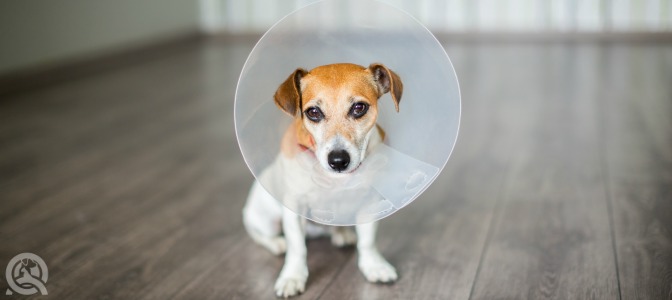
x,y
470,15
38,32
35,32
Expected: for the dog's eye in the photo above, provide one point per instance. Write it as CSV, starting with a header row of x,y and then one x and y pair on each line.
x,y
359,109
314,114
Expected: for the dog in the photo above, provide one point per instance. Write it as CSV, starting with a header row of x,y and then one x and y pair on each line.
x,y
335,108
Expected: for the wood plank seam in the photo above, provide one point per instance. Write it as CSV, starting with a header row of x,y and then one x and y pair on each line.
x,y
607,190
494,220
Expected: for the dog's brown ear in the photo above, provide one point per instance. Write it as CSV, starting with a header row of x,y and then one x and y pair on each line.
x,y
288,95
387,81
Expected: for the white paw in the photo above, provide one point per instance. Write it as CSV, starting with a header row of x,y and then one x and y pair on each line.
x,y
291,282
376,269
290,286
343,236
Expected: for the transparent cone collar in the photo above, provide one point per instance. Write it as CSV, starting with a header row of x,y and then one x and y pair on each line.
x,y
419,138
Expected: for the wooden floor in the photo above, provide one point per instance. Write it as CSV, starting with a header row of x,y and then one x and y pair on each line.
x,y
129,183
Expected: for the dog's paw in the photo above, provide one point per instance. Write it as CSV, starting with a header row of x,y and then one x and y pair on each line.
x,y
343,236
286,287
292,280
376,269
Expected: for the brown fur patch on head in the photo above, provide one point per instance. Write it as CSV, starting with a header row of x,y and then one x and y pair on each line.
x,y
335,78
335,89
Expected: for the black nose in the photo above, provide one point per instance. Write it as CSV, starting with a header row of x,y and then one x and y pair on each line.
x,y
338,160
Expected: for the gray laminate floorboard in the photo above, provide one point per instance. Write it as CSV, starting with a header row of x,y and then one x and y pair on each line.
x,y
129,183
551,237
637,156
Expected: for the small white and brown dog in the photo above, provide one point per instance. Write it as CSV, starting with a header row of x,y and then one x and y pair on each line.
x,y
335,108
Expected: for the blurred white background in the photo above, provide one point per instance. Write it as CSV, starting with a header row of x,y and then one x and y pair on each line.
x,y
464,15
37,34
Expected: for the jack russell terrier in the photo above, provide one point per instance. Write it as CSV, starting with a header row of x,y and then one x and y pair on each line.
x,y
335,109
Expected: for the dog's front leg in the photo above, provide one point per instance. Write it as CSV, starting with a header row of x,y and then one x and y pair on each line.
x,y
292,279
373,265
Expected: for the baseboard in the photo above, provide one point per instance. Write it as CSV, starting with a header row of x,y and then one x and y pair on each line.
x,y
509,36
83,65
555,37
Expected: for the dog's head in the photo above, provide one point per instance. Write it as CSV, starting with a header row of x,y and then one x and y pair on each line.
x,y
338,106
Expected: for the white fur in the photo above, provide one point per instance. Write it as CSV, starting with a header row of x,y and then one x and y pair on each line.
x,y
326,143
265,219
